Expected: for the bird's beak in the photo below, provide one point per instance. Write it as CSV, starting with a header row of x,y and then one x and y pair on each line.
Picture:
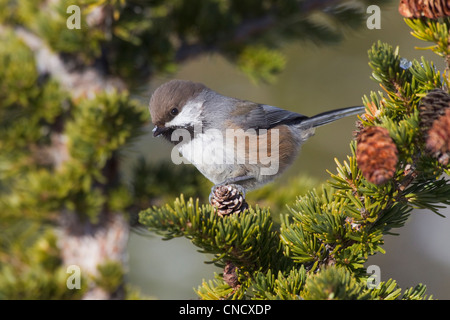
x,y
159,130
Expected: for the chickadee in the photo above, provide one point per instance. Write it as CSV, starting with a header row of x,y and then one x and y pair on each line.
x,y
232,141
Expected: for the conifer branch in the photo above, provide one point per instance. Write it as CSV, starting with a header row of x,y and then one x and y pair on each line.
x,y
329,233
63,125
81,82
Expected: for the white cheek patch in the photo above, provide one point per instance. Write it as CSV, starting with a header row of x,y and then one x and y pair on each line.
x,y
189,115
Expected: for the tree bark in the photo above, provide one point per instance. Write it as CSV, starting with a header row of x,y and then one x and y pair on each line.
x,y
82,242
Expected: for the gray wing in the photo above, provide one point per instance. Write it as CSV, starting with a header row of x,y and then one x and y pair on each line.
x,y
276,116
262,116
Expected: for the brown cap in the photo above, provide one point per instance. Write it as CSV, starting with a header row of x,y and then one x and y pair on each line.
x,y
170,95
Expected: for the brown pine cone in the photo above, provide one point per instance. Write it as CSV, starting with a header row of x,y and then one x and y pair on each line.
x,y
432,106
409,8
230,276
431,9
228,199
376,155
438,9
438,140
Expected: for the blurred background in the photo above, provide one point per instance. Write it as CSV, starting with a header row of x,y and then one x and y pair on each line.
x,y
316,79
73,157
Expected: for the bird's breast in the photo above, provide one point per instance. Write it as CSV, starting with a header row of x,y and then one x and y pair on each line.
x,y
208,152
224,154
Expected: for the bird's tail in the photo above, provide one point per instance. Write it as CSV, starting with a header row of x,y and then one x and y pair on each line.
x,y
330,116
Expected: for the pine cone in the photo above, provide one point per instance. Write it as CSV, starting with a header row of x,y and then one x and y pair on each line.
x,y
431,9
376,155
432,106
437,9
408,8
228,199
229,275
438,140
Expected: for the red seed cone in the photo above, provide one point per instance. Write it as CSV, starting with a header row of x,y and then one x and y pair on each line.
x,y
432,9
376,155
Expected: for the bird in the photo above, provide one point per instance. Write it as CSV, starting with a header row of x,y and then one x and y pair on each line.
x,y
229,140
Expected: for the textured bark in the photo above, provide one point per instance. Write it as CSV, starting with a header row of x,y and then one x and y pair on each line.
x,y
82,242
88,245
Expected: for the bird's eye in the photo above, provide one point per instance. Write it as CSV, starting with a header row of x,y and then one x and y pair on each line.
x,y
174,111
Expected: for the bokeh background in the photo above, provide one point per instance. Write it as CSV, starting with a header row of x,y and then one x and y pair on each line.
x,y
69,173
316,79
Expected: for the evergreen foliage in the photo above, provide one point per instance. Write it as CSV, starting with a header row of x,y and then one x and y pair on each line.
x,y
67,112
319,250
